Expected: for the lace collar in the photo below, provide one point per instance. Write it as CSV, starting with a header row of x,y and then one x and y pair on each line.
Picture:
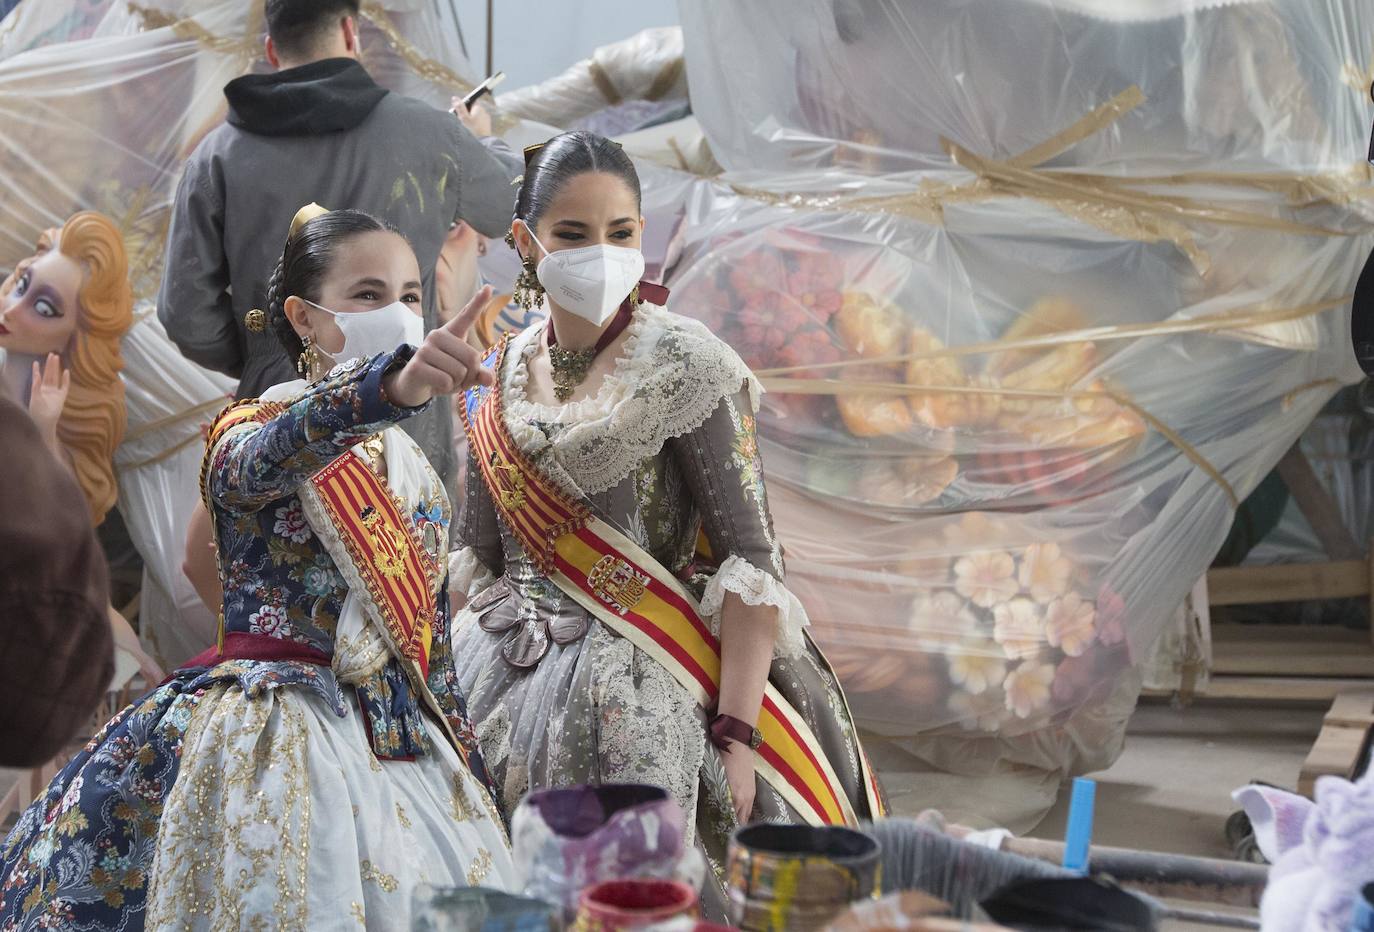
x,y
670,376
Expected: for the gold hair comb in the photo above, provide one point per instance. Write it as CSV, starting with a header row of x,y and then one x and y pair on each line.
x,y
305,215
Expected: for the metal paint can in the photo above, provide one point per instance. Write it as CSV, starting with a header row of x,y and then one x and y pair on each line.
x,y
794,877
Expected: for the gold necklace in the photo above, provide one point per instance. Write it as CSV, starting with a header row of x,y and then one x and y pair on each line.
x,y
570,368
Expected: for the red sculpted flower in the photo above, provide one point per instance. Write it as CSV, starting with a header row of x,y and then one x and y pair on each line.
x,y
816,284
757,278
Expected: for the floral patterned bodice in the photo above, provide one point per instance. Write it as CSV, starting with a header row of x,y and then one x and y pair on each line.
x,y
280,581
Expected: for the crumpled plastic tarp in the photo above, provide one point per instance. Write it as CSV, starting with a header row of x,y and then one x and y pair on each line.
x,y
1020,379
642,76
100,103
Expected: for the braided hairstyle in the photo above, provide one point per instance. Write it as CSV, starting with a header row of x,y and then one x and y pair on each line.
x,y
306,261
551,166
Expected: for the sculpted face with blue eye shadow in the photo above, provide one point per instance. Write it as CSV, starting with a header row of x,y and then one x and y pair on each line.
x,y
39,307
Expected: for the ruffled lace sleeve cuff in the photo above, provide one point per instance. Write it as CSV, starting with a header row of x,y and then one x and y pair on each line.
x,y
467,573
756,587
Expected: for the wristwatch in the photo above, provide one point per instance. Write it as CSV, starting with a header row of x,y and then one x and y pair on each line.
x,y
727,728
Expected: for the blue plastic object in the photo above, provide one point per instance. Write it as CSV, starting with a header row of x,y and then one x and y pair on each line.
x,y
1363,920
1080,834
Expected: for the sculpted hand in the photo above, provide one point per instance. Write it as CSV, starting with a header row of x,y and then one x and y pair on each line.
x,y
48,396
445,363
739,773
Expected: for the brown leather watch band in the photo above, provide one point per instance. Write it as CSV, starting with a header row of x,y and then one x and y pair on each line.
x,y
727,728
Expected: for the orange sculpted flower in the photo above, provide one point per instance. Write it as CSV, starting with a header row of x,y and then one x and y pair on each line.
x,y
986,712
986,578
941,621
1070,624
977,666
1028,688
1019,627
1045,572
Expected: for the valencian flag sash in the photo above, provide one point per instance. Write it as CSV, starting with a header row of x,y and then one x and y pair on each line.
x,y
397,570
392,562
633,594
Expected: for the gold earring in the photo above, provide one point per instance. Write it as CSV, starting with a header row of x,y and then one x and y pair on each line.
x,y
510,238
634,295
308,360
529,293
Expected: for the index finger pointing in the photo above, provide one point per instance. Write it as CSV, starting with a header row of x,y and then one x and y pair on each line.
x,y
464,319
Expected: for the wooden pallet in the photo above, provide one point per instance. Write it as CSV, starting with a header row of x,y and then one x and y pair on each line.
x,y
1342,748
1288,663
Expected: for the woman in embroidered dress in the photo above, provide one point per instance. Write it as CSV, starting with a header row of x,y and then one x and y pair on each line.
x,y
315,768
646,418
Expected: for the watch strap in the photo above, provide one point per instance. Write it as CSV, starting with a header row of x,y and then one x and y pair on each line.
x,y
727,728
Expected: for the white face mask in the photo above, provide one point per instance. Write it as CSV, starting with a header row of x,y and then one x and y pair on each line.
x,y
592,281
368,333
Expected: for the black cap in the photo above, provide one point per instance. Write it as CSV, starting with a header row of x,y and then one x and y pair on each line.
x,y
1362,318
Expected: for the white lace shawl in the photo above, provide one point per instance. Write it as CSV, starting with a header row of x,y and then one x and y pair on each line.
x,y
670,377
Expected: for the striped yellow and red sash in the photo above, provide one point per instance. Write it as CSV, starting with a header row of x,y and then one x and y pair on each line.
x,y
391,560
633,594
397,570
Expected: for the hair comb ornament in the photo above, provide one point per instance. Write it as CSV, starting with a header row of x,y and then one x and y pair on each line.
x,y
305,215
532,151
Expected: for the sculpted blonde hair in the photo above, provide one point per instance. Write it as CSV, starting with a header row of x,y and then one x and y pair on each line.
x,y
93,420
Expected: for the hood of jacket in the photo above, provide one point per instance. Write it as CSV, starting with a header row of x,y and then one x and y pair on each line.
x,y
328,96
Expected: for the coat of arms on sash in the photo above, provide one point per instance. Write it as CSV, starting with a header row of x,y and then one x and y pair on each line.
x,y
617,583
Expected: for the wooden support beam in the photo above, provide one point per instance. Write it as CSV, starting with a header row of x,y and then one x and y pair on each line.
x,y
1290,650
1289,582
1317,506
1279,688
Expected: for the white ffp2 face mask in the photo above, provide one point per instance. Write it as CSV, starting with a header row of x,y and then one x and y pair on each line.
x,y
368,333
592,281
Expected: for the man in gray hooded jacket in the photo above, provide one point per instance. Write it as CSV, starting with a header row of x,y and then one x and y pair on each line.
x,y
318,130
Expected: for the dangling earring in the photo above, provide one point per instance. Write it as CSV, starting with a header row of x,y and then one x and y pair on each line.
x,y
634,295
308,360
529,293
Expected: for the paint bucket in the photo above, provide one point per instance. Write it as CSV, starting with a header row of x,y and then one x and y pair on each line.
x,y
794,877
566,841
634,904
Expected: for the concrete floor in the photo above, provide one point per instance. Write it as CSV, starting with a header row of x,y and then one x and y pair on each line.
x,y
1171,788
1169,791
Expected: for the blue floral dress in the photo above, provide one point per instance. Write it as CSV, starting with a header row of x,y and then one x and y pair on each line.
x,y
313,787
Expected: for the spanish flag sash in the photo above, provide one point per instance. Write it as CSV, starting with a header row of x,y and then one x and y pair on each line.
x,y
632,593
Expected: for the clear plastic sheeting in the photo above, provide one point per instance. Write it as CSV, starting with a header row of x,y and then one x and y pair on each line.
x,y
641,76
102,101
1002,447
876,85
158,465
1040,290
